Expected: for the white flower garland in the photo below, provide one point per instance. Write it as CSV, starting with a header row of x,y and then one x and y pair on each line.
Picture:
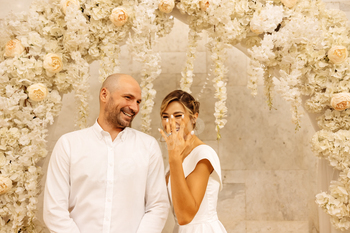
x,y
49,50
218,56
147,28
187,73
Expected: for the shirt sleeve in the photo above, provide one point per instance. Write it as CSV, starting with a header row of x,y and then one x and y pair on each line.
x,y
156,198
56,196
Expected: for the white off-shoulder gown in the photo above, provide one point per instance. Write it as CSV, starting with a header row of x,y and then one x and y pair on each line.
x,y
206,219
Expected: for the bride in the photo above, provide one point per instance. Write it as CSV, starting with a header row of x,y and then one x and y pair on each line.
x,y
194,176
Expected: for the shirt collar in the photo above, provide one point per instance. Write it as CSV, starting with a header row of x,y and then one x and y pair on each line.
x,y
100,132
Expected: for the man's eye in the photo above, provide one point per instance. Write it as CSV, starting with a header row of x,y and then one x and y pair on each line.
x,y
164,117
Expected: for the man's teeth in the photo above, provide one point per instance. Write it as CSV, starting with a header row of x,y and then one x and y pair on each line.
x,y
127,114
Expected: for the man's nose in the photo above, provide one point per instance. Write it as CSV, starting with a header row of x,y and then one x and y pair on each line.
x,y
134,107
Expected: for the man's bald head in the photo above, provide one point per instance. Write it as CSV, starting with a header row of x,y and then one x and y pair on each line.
x,y
116,81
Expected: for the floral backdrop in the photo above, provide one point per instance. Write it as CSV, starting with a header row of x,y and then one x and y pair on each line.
x,y
298,47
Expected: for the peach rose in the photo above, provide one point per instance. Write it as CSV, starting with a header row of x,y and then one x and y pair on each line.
x,y
119,16
13,48
166,6
66,3
289,3
204,4
37,92
53,63
337,54
5,184
341,101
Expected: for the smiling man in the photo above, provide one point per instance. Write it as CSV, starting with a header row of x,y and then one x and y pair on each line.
x,y
108,178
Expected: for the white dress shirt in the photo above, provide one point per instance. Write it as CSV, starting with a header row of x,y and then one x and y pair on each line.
x,y
95,185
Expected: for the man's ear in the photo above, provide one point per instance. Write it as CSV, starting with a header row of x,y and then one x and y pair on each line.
x,y
104,94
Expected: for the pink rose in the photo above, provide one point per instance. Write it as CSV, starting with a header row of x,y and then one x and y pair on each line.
x,y
289,3
13,48
5,184
166,6
204,4
66,3
340,101
119,16
337,54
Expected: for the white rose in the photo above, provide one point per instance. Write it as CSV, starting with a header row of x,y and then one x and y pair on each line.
x,y
337,54
53,63
66,3
289,3
166,6
255,25
341,101
37,92
119,16
204,4
5,184
322,198
13,48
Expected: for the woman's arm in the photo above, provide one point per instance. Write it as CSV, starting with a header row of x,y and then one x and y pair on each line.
x,y
187,193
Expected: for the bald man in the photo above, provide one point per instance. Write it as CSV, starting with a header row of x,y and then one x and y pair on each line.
x,y
108,178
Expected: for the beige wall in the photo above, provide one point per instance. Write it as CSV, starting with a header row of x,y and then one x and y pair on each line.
x,y
268,169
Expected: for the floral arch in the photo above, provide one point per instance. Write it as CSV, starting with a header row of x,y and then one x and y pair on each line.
x,y
296,46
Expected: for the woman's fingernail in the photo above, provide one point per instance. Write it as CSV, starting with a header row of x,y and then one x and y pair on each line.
x,y
183,116
172,116
192,132
159,129
167,120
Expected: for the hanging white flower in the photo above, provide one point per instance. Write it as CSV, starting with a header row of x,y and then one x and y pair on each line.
x,y
166,6
5,184
66,3
289,3
119,16
53,63
341,101
337,54
13,48
37,92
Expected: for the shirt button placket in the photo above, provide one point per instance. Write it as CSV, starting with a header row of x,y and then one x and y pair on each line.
x,y
109,190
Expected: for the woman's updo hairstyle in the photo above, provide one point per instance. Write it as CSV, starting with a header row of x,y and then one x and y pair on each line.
x,y
186,99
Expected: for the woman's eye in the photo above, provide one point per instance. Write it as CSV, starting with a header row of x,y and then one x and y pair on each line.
x,y
178,116
164,117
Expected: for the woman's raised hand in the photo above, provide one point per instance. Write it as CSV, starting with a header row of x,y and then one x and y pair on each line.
x,y
176,142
